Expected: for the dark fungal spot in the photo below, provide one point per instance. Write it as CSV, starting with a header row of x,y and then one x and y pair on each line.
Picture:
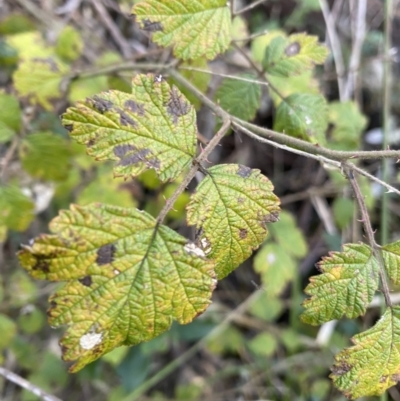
x,y
101,105
131,155
341,368
125,119
293,49
49,311
86,281
244,171
122,150
137,108
272,217
243,233
69,127
90,143
177,106
105,254
150,26
42,264
395,377
240,199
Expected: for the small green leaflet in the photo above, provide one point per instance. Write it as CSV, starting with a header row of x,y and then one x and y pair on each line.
x,y
10,116
372,365
230,209
45,155
155,127
348,124
293,55
194,28
391,257
40,80
303,116
16,209
346,287
239,98
126,278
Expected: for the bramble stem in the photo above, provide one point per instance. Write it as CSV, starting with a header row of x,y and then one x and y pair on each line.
x,y
196,166
20,381
347,168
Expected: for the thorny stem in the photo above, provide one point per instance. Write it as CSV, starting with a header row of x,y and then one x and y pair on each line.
x,y
289,141
196,166
18,380
322,159
347,168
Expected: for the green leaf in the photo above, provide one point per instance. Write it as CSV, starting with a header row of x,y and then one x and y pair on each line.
x,y
343,211
263,344
8,331
10,116
303,116
346,287
69,44
230,209
194,28
40,80
348,123
30,45
239,98
289,236
45,155
286,86
276,266
372,365
16,209
293,55
391,257
105,189
127,278
155,127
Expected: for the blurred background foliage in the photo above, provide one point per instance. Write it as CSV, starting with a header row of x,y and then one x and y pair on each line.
x,y
249,345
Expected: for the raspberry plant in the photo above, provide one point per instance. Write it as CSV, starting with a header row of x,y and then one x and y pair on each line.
x,y
127,275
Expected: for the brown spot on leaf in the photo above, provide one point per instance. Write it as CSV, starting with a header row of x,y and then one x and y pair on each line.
x,y
105,254
152,26
69,127
125,119
90,143
395,377
293,49
101,105
49,311
131,155
177,106
86,281
137,108
244,171
243,233
271,218
340,368
42,264
240,200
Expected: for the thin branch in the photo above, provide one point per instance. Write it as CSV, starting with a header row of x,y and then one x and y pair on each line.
x,y
20,381
355,58
335,45
321,159
347,169
249,7
113,29
284,139
196,166
217,74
